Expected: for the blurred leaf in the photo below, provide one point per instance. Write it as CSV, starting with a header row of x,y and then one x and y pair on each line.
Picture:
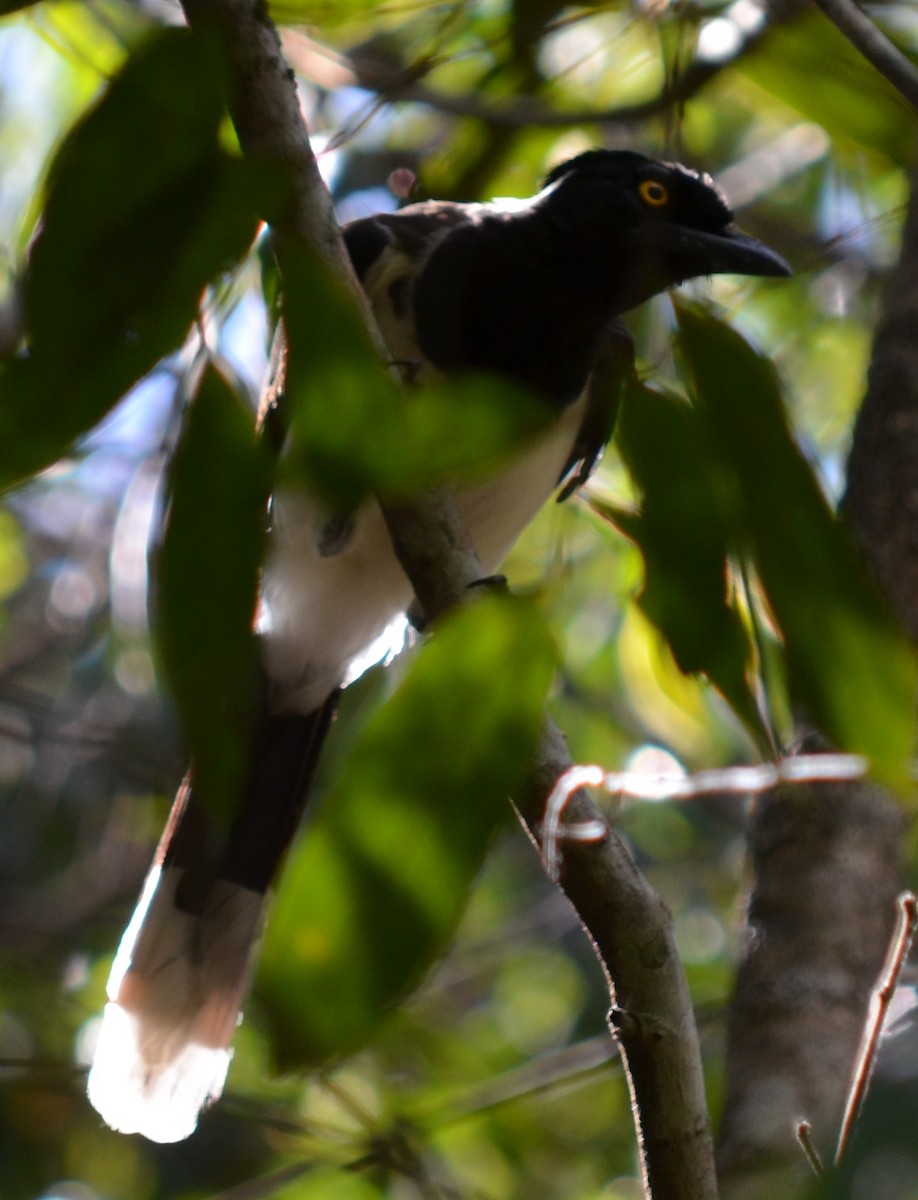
x,y
812,67
849,665
208,579
686,530
375,890
356,430
324,14
143,210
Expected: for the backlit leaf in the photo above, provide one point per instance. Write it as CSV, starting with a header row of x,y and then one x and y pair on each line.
x,y
850,667
208,576
143,210
377,886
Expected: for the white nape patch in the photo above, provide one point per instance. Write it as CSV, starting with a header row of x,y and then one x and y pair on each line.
x,y
515,204
175,996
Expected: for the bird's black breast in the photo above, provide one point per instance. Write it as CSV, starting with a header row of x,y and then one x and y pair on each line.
x,y
501,294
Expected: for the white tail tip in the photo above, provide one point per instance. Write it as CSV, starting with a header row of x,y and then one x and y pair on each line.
x,y
175,995
162,1102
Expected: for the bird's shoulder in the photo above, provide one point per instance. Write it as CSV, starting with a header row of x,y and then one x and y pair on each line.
x,y
390,252
411,234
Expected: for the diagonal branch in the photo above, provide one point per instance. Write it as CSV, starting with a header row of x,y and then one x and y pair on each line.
x,y
874,45
628,923
392,80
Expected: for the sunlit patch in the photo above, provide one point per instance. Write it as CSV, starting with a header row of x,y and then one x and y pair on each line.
x,y
749,15
134,671
74,593
722,37
654,761
163,1104
391,642
69,1189
719,40
700,936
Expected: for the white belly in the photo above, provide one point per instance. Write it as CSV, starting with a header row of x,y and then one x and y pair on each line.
x,y
322,611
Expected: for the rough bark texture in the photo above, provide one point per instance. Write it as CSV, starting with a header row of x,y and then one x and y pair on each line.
x,y
828,860
882,498
266,116
825,861
652,1018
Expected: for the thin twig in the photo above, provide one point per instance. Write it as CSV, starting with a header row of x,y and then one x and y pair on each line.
x,y
874,46
803,1130
565,1068
266,1185
907,917
642,785
397,82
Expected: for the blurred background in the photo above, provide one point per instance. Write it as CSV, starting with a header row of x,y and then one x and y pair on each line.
x,y
497,1078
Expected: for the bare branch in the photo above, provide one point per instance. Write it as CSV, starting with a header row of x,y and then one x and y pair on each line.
x,y
824,859
394,81
874,46
643,785
804,1130
907,905
881,501
652,1016
269,124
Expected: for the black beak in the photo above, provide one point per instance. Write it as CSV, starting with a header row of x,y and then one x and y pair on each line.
x,y
726,253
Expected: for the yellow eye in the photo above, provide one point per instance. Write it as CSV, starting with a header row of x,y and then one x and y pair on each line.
x,y
653,192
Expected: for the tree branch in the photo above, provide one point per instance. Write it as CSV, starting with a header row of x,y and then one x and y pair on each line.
x,y
824,863
881,501
828,860
380,72
874,46
629,925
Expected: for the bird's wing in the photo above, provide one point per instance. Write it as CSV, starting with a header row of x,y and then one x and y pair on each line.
x,y
389,253
613,365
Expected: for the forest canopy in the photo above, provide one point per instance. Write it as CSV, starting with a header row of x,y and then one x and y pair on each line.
x,y
437,1026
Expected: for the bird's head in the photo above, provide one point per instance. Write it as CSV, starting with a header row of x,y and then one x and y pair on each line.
x,y
660,222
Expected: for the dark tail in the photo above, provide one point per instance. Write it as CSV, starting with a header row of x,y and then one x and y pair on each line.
x,y
182,970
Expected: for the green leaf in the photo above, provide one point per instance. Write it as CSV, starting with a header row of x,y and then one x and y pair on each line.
x,y
208,582
356,431
377,886
143,210
850,666
812,67
686,531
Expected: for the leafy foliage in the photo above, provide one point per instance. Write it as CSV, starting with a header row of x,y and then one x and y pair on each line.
x,y
722,481
475,1084
136,223
850,666
379,884
214,537
686,529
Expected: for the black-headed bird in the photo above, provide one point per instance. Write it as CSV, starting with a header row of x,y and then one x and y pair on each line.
x,y
525,289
